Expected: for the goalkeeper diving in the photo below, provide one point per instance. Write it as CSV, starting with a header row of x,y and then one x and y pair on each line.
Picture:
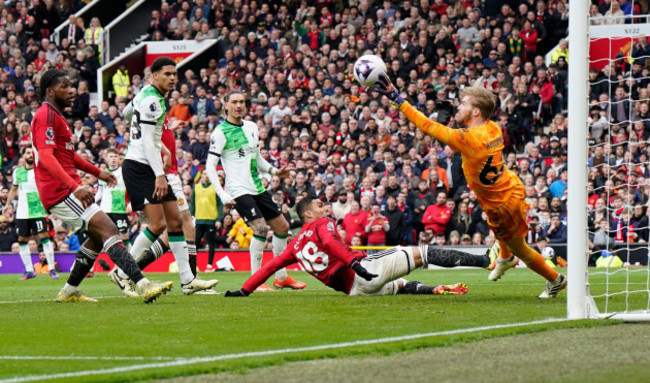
x,y
499,190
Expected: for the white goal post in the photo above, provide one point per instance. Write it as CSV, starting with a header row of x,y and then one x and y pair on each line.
x,y
577,245
580,304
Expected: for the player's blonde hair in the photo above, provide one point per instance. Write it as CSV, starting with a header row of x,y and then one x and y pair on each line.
x,y
481,98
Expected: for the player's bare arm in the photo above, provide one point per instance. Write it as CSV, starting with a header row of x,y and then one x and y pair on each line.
x,y
166,158
10,197
286,171
177,124
108,177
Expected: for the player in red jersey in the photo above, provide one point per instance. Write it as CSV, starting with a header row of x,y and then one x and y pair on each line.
x,y
322,253
63,195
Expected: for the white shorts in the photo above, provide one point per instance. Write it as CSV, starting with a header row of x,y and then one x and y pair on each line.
x,y
73,213
390,265
177,187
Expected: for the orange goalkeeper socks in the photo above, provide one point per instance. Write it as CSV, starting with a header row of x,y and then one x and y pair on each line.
x,y
532,259
504,251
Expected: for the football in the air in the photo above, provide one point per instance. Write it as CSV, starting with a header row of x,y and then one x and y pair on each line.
x,y
368,68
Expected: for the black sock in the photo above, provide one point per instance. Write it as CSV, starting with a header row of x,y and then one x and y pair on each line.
x,y
193,264
121,257
416,287
191,251
452,258
159,248
147,258
83,262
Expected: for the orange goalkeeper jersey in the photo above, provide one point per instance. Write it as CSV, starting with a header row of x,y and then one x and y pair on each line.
x,y
481,148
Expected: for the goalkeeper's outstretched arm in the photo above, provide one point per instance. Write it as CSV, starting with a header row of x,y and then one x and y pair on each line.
x,y
438,131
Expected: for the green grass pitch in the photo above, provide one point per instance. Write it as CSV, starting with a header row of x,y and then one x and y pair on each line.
x,y
40,338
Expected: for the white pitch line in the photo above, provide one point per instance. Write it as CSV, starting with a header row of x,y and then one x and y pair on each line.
x,y
52,299
73,357
185,362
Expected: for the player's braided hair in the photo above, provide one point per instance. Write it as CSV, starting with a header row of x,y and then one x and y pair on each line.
x,y
304,205
49,79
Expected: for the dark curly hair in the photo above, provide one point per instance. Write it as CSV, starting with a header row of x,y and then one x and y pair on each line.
x,y
49,79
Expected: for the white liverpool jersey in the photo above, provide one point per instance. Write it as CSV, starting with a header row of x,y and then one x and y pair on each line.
x,y
113,198
148,108
237,147
29,203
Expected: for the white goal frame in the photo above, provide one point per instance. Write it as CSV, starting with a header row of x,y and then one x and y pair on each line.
x,y
580,304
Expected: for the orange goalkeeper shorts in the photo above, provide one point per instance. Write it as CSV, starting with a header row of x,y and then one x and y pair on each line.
x,y
509,220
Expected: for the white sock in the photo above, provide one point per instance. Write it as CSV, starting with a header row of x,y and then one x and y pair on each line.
x,y
424,250
279,245
69,287
179,247
257,252
48,249
142,242
26,257
141,283
121,273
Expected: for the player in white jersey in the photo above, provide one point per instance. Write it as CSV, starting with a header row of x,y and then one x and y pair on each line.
x,y
145,179
31,218
236,143
112,200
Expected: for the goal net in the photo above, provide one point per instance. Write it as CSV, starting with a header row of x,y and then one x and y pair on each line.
x,y
613,280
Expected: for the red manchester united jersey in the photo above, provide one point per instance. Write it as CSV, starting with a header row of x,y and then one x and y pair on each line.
x,y
320,251
51,130
169,141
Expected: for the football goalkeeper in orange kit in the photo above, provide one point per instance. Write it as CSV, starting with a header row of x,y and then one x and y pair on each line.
x,y
499,191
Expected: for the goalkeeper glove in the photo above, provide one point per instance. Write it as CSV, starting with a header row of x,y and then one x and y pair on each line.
x,y
386,87
238,293
361,271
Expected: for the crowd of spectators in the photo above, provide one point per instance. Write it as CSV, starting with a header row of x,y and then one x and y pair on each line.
x,y
386,182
